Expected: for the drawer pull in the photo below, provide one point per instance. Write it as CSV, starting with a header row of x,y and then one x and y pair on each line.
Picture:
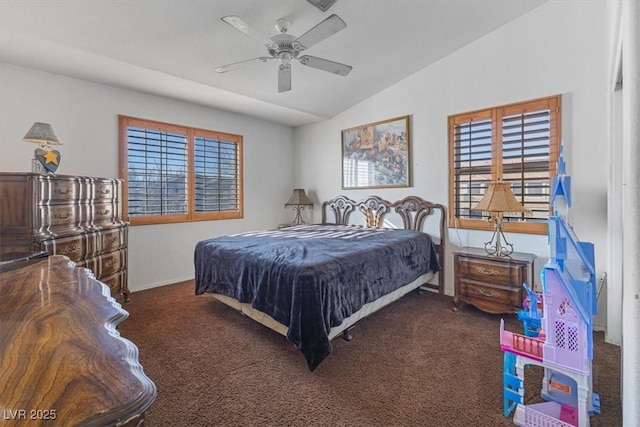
x,y
109,242
486,293
63,215
68,250
103,211
104,191
110,263
488,271
63,190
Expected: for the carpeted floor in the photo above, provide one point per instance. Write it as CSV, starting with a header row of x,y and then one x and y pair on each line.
x,y
413,363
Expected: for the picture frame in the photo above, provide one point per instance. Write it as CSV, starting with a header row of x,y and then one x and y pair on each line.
x,y
377,155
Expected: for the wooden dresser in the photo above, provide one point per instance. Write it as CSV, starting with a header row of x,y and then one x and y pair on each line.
x,y
63,362
493,284
76,216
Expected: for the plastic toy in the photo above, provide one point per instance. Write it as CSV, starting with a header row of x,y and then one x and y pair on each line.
x,y
531,313
558,334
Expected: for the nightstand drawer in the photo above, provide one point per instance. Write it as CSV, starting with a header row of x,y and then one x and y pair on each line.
x,y
493,284
510,298
488,271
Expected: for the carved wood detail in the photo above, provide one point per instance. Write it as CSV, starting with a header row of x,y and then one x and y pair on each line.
x,y
80,217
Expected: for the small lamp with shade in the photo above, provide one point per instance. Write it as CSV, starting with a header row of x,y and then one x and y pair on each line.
x,y
45,159
298,201
498,200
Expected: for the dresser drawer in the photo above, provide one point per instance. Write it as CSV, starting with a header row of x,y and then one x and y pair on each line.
x,y
117,282
487,271
57,217
105,240
112,262
105,190
107,264
73,247
509,298
105,212
54,189
62,190
112,239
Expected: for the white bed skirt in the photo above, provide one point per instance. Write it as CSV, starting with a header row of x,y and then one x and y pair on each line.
x,y
366,310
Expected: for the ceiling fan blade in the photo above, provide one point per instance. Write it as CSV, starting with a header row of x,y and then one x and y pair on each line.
x,y
284,77
324,29
241,64
325,65
239,24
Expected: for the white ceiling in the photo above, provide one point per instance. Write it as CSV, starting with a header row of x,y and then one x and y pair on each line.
x,y
170,47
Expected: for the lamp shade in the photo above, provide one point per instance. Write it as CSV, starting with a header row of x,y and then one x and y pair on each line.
x,y
298,198
43,134
499,198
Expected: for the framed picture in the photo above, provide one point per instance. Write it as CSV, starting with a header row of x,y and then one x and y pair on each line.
x,y
377,155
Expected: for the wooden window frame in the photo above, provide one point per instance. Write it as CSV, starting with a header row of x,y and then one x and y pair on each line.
x,y
191,133
495,114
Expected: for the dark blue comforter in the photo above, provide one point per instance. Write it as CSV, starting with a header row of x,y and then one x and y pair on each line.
x,y
311,277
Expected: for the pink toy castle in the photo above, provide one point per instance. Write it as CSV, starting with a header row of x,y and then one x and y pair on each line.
x,y
563,344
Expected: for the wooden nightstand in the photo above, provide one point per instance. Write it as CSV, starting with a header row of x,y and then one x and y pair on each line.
x,y
493,284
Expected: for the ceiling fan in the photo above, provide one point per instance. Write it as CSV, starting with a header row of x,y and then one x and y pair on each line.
x,y
286,47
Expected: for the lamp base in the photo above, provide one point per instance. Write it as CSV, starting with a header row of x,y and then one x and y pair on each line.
x,y
36,167
49,159
498,251
298,219
498,245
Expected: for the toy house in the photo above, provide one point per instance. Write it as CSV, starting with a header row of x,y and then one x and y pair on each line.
x,y
558,334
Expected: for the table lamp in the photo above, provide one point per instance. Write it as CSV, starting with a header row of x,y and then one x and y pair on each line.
x,y
498,200
298,201
45,159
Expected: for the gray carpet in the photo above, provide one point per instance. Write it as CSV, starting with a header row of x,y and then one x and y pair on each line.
x,y
413,363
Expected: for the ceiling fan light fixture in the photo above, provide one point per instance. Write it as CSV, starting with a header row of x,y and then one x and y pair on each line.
x,y
285,57
282,25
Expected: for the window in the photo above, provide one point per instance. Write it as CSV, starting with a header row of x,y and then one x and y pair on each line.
x,y
518,144
177,174
357,173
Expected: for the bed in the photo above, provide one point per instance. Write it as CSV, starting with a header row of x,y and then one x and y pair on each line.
x,y
312,283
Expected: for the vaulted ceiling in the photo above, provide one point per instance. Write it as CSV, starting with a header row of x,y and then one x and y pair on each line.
x,y
171,47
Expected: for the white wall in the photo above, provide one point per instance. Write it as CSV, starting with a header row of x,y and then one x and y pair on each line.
x,y
84,115
558,48
615,250
630,148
